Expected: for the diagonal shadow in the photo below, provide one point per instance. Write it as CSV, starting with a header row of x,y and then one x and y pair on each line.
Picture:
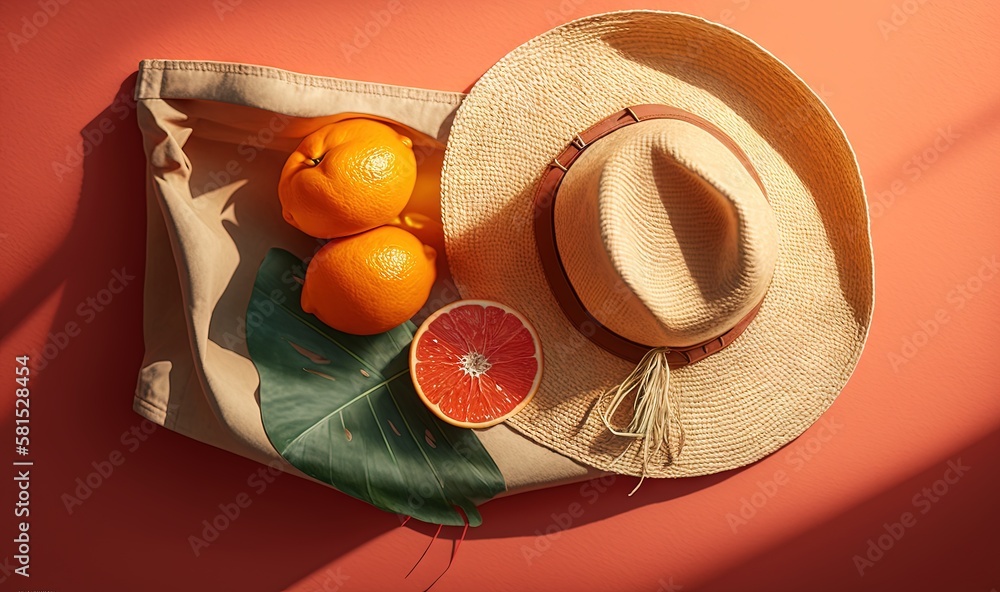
x,y
74,258
146,509
973,130
951,545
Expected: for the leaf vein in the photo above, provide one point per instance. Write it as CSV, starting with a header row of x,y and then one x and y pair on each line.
x,y
384,383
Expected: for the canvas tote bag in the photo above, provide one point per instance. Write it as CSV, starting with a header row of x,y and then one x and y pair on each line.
x,y
216,136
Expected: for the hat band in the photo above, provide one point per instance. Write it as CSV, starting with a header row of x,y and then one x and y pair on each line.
x,y
555,273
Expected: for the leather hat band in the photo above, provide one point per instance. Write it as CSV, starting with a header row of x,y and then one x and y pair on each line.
x,y
545,238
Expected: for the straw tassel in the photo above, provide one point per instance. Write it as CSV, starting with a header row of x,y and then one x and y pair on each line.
x,y
654,408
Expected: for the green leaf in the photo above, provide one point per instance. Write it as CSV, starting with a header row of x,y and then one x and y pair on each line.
x,y
342,409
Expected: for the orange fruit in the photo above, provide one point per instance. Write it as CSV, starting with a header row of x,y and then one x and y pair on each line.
x,y
428,230
426,196
475,363
347,177
370,282
422,214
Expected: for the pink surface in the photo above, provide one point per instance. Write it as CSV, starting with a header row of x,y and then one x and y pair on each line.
x,y
914,85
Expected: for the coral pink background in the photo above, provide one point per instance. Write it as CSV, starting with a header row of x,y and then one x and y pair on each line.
x,y
913,83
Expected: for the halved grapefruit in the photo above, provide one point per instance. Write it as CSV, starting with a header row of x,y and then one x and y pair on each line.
x,y
475,363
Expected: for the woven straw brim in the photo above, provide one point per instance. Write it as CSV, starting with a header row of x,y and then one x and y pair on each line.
x,y
777,378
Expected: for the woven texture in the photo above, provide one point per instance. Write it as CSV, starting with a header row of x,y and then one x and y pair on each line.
x,y
665,235
777,378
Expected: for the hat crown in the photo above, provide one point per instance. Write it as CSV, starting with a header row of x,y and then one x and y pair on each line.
x,y
664,234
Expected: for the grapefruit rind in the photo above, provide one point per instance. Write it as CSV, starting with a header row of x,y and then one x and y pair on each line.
x,y
437,410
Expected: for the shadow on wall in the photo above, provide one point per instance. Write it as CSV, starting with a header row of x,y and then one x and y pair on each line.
x,y
905,524
114,483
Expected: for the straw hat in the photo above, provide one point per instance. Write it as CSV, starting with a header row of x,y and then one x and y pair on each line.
x,y
684,223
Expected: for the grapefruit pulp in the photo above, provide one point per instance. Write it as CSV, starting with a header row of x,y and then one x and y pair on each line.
x,y
475,363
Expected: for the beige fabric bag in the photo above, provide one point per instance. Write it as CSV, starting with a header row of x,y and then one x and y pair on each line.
x,y
216,136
